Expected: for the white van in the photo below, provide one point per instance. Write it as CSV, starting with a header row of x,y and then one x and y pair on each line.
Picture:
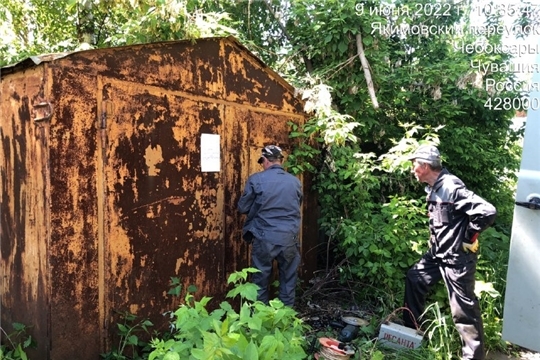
x,y
521,324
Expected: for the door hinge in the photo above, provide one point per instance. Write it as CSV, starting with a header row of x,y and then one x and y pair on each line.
x,y
107,110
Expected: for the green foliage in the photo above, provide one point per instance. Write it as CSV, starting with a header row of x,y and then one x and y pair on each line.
x,y
439,330
157,20
304,157
372,210
242,288
16,343
384,245
130,345
428,83
491,284
36,27
380,239
257,331
175,286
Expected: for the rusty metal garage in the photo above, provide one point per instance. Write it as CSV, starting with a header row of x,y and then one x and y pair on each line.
x,y
106,191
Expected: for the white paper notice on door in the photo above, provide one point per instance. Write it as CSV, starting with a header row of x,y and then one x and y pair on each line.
x,y
210,154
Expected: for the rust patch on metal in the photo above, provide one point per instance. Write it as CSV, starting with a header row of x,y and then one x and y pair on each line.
x,y
23,234
73,226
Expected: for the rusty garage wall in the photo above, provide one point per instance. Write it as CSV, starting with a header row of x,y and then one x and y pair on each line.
x,y
24,204
103,198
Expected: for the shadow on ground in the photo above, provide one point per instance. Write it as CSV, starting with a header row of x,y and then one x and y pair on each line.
x,y
523,355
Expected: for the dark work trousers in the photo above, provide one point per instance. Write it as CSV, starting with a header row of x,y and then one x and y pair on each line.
x,y
459,280
288,259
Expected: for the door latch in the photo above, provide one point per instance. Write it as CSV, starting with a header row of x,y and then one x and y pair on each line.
x,y
42,111
533,202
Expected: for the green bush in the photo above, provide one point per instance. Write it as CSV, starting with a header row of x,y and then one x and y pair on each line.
x,y
383,245
130,344
16,343
257,331
373,215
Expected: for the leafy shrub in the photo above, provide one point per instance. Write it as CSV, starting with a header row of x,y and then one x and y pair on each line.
x,y
130,345
386,243
257,331
373,213
16,343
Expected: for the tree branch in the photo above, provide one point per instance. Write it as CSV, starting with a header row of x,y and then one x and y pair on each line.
x,y
367,73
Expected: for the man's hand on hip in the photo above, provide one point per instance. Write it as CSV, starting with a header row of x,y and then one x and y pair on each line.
x,y
473,245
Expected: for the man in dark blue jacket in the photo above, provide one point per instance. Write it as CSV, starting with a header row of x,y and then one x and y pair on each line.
x,y
456,217
272,200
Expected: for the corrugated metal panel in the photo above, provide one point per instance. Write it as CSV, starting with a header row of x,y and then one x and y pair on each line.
x,y
124,203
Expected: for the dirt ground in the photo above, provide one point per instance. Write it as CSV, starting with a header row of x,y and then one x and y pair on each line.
x,y
324,312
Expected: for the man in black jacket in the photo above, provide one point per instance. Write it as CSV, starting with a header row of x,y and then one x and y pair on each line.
x,y
456,218
272,200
